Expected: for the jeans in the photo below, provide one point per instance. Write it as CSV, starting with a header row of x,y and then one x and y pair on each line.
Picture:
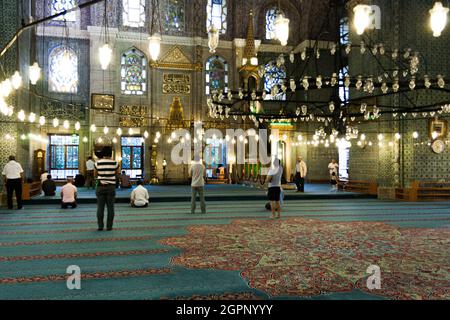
x,y
90,179
201,195
300,182
106,195
65,205
14,185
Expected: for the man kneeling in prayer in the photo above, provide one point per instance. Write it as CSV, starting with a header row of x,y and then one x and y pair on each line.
x,y
139,196
69,195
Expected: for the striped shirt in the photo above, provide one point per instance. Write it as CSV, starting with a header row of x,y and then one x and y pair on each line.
x,y
106,170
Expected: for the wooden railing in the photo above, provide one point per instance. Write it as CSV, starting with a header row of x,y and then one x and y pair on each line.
x,y
424,191
30,190
366,187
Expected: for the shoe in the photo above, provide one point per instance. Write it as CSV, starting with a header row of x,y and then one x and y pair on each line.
x,y
100,229
109,229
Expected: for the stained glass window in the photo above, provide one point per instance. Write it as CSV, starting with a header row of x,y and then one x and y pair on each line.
x,y
217,14
216,74
58,6
271,15
133,156
344,31
63,70
133,13
344,93
133,73
274,75
63,152
174,15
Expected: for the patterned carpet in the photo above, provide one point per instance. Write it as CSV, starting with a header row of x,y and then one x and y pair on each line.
x,y
319,250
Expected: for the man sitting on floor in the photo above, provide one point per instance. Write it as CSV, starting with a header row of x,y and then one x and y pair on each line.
x,y
69,195
139,196
49,187
125,182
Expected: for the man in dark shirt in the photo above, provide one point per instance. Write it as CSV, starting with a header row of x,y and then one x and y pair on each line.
x,y
49,187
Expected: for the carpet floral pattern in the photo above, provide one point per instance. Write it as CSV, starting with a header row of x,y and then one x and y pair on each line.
x,y
304,257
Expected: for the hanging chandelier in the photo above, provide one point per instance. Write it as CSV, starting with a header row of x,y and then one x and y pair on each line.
x,y
105,51
154,44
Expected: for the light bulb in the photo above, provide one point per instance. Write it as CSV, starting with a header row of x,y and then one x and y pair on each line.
x,y
130,131
21,115
114,140
55,122
32,117
105,56
34,73
438,18
119,132
42,120
398,136
93,128
85,139
6,88
16,80
105,130
77,126
146,134
415,135
380,137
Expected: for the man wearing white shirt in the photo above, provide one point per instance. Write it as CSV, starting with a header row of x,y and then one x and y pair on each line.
x,y
197,173
333,167
301,171
139,196
13,177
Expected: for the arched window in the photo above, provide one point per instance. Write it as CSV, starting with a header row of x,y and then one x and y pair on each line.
x,y
217,14
133,13
216,74
133,73
271,15
174,15
273,76
58,6
63,70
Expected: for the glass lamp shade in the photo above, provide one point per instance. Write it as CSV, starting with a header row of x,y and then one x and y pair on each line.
x,y
35,73
6,88
42,120
105,56
438,18
77,126
213,38
16,80
66,124
254,61
282,29
362,17
154,46
55,122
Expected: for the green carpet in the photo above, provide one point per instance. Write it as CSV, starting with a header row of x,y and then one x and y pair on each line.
x,y
133,261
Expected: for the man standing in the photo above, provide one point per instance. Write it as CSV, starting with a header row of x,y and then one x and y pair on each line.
x,y
300,173
106,172
90,166
139,196
197,174
333,167
13,177
69,195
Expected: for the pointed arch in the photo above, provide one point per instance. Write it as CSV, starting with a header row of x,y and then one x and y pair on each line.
x,y
63,70
216,74
133,72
